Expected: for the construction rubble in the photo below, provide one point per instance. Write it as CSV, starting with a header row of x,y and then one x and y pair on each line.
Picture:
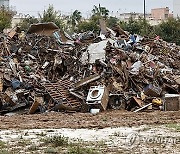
x,y
47,70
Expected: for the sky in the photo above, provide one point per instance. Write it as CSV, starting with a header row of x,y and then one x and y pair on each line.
x,y
33,7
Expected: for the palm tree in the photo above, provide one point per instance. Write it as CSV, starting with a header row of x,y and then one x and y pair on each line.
x,y
100,11
75,18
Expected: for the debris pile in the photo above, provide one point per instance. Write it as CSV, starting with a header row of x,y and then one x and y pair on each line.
x,y
48,70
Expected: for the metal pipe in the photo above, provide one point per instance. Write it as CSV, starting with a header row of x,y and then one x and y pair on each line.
x,y
145,15
144,9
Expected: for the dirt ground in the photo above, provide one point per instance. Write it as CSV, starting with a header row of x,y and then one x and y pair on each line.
x,y
111,132
87,120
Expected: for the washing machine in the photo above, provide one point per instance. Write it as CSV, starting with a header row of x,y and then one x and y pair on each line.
x,y
98,97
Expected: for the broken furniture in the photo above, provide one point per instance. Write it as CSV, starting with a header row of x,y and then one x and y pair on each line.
x,y
62,97
172,102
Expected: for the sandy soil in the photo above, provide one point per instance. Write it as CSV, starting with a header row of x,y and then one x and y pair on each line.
x,y
144,139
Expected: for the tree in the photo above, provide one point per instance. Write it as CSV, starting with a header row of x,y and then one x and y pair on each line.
x,y
133,26
100,11
5,18
88,26
112,21
24,25
140,26
50,15
169,30
75,18
123,25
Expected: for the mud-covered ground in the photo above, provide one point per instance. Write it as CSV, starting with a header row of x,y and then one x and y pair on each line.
x,y
88,120
111,132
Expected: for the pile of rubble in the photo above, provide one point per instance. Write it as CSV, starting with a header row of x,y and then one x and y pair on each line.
x,y
48,70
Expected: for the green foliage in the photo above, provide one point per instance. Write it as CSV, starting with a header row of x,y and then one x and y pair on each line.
x,y
90,25
169,30
5,18
134,26
174,126
33,148
123,25
2,144
3,151
95,19
50,150
75,18
22,142
81,150
112,21
24,25
140,26
56,141
50,15
100,11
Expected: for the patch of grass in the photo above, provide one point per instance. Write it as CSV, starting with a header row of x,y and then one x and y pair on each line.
x,y
56,141
33,148
23,142
176,127
118,134
50,150
4,152
81,150
41,134
101,143
145,129
2,144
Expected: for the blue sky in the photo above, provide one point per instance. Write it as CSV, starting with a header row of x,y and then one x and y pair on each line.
x,y
32,7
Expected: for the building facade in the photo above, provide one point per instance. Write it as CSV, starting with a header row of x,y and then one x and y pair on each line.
x,y
133,15
176,8
4,3
160,13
